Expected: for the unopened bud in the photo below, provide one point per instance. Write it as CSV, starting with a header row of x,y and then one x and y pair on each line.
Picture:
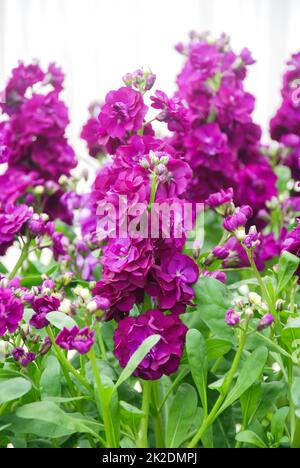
x,y
144,163
65,307
45,346
254,298
279,305
39,190
265,322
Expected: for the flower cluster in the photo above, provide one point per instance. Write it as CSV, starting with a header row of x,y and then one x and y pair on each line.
x,y
285,125
33,141
213,129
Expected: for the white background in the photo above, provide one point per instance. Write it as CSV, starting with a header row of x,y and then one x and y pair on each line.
x,y
97,41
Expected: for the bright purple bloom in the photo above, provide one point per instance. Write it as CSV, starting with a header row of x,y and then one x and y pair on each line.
x,y
80,340
291,243
220,198
172,282
232,318
12,220
127,260
42,306
164,357
238,219
218,275
22,357
124,111
11,311
265,322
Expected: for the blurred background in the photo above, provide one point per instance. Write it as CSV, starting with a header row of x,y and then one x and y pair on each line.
x,y
97,41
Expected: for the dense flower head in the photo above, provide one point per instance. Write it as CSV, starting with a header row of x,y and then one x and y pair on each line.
x,y
75,339
219,138
33,139
285,125
164,357
11,311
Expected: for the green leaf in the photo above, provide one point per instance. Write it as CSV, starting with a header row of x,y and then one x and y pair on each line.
x,y
181,415
296,391
293,323
250,402
249,437
50,382
137,358
217,348
213,299
278,422
197,356
250,372
60,320
13,388
61,422
287,265
271,392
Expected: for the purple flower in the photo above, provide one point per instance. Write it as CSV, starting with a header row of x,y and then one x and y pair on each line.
x,y
238,219
164,357
220,252
124,111
81,340
232,318
172,111
291,243
257,184
172,282
12,220
11,311
127,260
265,322
22,357
91,133
42,306
220,198
119,297
252,239
218,275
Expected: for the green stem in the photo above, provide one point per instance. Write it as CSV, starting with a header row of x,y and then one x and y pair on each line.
x,y
103,403
142,441
100,341
259,280
227,384
66,363
158,423
153,188
22,258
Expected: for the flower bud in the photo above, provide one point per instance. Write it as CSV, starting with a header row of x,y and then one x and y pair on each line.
x,y
279,305
249,312
39,190
144,163
45,346
153,158
232,318
254,298
67,278
265,322
84,294
4,282
65,307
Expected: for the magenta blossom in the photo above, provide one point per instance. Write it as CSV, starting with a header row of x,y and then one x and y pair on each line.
x,y
11,311
172,282
42,306
232,318
80,340
22,357
238,219
265,322
12,220
124,111
220,198
164,357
